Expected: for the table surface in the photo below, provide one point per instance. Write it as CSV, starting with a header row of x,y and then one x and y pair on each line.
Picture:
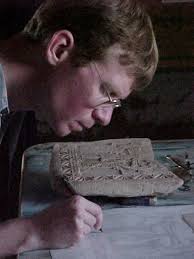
x,y
36,193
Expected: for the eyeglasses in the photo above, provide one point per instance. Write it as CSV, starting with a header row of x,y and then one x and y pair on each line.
x,y
114,102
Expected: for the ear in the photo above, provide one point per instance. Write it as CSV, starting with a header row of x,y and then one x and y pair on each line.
x,y
59,47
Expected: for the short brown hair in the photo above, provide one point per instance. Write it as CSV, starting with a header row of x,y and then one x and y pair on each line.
x,y
97,25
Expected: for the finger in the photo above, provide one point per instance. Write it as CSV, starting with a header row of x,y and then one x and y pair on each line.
x,y
86,229
99,220
89,219
96,211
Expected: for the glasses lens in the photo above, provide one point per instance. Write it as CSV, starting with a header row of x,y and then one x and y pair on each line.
x,y
113,104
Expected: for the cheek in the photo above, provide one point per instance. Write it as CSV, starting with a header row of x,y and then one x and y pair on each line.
x,y
73,108
75,104
72,98
68,110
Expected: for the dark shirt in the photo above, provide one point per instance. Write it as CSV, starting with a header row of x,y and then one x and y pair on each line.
x,y
16,134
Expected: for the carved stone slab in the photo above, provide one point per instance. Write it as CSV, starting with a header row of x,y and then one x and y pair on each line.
x,y
116,168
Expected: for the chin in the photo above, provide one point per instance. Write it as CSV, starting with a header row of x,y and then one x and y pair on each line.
x,y
61,131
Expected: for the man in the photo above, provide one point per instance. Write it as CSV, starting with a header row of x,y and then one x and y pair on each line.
x,y
73,63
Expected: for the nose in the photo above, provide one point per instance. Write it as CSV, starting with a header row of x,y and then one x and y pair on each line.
x,y
102,115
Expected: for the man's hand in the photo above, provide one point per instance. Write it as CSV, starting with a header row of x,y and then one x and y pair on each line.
x,y
64,224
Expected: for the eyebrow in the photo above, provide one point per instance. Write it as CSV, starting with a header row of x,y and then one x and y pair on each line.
x,y
115,92
109,88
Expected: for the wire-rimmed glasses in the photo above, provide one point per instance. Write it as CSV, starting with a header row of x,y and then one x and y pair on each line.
x,y
114,102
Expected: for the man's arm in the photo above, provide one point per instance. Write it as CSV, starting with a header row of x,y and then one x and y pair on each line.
x,y
62,225
13,235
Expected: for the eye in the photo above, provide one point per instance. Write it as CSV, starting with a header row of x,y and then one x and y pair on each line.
x,y
114,95
103,88
106,88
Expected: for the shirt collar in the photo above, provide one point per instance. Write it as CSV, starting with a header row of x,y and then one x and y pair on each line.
x,y
3,92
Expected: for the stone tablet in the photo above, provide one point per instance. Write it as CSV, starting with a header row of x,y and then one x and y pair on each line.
x,y
115,168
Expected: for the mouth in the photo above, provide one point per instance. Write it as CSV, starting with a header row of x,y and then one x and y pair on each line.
x,y
85,126
75,127
78,126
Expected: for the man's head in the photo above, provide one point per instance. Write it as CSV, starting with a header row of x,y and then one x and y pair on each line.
x,y
97,47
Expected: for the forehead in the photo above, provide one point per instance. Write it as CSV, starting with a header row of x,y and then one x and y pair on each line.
x,y
115,75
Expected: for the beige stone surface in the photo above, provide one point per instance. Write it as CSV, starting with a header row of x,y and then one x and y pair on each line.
x,y
115,168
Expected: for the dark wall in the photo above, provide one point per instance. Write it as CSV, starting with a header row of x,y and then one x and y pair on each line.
x,y
14,15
